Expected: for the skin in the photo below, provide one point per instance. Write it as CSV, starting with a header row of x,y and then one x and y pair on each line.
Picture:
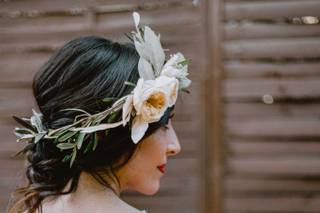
x,y
139,174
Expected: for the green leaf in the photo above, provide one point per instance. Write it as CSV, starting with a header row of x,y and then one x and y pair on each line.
x,y
26,138
36,120
185,62
38,137
108,100
23,131
89,146
80,139
77,110
64,146
74,154
66,158
106,132
95,142
129,83
113,116
66,136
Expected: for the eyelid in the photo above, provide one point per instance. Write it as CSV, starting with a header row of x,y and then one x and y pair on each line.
x,y
166,126
172,115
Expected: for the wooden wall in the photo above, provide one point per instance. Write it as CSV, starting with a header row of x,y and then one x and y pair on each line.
x,y
31,30
250,128
271,112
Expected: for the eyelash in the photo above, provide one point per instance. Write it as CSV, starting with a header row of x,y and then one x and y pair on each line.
x,y
166,126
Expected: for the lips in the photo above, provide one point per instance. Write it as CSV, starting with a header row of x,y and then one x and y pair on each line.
x,y
162,168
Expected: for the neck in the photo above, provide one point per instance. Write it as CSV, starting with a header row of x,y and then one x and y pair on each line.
x,y
89,183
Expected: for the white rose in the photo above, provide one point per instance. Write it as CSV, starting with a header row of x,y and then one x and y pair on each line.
x,y
173,85
151,98
173,68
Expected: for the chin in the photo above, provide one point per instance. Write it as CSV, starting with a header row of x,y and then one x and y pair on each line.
x,y
150,190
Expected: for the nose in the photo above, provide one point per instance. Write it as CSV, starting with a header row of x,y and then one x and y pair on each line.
x,y
174,146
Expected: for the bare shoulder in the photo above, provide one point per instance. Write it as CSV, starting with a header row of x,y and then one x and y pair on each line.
x,y
88,205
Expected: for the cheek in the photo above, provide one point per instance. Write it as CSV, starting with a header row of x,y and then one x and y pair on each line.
x,y
142,172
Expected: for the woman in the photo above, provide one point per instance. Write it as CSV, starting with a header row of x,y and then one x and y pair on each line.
x,y
104,127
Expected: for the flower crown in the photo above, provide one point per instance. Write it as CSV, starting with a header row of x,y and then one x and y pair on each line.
x,y
155,91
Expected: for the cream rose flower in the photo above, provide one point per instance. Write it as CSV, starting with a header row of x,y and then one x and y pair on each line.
x,y
151,98
174,68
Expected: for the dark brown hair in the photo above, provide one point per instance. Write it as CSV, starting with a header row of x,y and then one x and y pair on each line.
x,y
79,75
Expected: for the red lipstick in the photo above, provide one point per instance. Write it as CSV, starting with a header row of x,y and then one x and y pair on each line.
x,y
162,168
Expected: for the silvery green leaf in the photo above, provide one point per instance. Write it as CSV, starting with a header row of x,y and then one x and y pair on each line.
x,y
185,62
99,127
127,109
66,158
120,101
64,146
136,19
74,154
66,136
75,109
23,131
152,43
18,135
95,142
108,99
80,139
142,50
36,121
26,138
38,137
129,83
145,69
113,116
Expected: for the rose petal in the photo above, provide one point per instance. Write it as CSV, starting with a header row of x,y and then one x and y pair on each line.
x,y
137,95
139,128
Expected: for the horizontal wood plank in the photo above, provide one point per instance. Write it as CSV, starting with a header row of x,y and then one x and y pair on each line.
x,y
274,167
274,128
287,204
236,89
280,48
35,7
251,30
273,148
237,69
256,10
256,186
249,111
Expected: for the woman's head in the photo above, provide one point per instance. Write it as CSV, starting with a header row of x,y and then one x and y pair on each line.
x,y
80,75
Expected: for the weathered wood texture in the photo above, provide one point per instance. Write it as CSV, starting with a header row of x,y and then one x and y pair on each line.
x,y
271,105
31,30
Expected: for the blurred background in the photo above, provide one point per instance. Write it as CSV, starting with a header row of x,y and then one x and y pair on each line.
x,y
249,130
